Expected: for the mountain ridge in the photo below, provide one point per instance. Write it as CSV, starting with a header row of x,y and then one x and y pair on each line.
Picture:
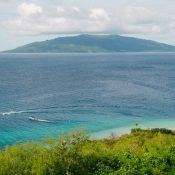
x,y
93,44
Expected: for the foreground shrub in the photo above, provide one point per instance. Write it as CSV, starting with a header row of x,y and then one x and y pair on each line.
x,y
150,152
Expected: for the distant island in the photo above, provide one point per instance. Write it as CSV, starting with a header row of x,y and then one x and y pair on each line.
x,y
94,44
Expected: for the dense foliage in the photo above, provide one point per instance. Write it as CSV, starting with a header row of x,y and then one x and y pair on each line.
x,y
143,152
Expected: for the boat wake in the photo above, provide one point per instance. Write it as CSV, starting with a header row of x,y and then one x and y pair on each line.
x,y
12,112
47,121
21,112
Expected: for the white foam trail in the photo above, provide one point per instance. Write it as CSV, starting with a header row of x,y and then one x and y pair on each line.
x,y
42,120
11,112
19,112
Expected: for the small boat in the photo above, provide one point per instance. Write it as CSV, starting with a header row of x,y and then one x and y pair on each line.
x,y
39,120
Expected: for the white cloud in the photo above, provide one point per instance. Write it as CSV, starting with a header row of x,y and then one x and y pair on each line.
x,y
73,19
28,9
99,13
49,22
142,20
141,15
76,9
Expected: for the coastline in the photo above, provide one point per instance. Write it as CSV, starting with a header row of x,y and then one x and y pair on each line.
x,y
119,131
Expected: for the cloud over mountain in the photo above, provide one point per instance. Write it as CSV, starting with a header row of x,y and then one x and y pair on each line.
x,y
60,18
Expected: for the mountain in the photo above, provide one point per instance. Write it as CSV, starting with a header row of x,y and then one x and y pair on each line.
x,y
94,43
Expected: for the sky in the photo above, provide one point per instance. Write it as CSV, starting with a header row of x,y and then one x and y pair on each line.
x,y
26,21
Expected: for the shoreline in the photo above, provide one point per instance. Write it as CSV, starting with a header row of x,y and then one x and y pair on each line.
x,y
119,131
166,123
114,133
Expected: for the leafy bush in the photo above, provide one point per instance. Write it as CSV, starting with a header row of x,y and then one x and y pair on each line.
x,y
154,130
148,152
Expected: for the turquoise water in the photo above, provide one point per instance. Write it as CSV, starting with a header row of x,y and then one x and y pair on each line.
x,y
103,93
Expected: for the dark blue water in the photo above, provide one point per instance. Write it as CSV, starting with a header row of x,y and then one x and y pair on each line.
x,y
99,92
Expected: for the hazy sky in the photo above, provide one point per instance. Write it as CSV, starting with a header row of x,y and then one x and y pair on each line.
x,y
25,21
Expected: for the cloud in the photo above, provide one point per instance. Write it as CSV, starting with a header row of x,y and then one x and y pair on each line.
x,y
28,9
142,20
76,9
140,15
67,20
98,13
60,9
34,19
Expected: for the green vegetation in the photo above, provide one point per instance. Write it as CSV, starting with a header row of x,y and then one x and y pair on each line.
x,y
94,44
143,152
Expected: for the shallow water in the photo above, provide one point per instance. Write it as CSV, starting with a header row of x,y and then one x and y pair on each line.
x,y
103,93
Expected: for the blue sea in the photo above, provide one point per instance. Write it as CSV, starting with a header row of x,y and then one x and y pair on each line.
x,y
103,93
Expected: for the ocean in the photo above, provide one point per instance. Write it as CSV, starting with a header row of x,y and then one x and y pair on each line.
x,y
102,93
